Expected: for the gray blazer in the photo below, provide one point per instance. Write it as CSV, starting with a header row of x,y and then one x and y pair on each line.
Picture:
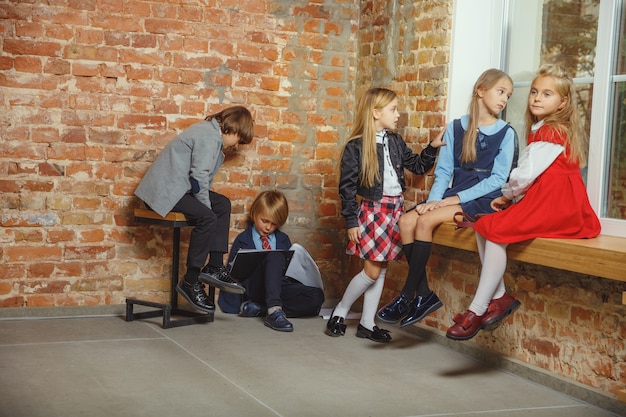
x,y
196,152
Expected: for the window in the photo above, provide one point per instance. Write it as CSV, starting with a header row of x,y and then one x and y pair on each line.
x,y
588,37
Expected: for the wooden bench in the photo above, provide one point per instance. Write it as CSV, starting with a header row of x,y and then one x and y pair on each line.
x,y
176,221
603,256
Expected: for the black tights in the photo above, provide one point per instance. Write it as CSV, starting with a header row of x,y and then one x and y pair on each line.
x,y
417,254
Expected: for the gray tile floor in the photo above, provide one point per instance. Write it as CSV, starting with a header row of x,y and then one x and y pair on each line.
x,y
104,366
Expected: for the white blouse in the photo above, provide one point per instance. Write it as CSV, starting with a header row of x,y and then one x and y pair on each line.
x,y
533,161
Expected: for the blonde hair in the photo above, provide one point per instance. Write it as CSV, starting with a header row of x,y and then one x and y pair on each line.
x,y
270,203
364,127
486,81
236,120
566,119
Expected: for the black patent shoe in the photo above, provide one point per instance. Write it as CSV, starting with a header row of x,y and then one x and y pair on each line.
x,y
278,321
377,334
335,326
420,308
220,278
195,295
395,311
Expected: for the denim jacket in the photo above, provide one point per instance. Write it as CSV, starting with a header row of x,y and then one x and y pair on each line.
x,y
401,157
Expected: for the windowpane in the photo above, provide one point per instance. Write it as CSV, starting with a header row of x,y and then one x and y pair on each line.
x,y
616,192
621,53
560,32
616,205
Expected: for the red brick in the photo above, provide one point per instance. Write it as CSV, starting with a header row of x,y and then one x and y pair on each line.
x,y
27,47
27,64
30,253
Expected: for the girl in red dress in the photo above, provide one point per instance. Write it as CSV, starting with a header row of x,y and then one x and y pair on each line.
x,y
545,197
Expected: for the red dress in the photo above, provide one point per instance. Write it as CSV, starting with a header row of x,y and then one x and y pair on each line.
x,y
555,206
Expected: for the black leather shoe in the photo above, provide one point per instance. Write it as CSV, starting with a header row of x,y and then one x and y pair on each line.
x,y
377,334
278,321
420,308
195,295
335,326
220,278
250,309
395,311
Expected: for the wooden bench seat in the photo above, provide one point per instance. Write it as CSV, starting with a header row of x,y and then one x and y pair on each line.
x,y
604,256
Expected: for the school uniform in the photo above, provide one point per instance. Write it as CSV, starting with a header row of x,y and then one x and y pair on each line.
x,y
382,204
269,286
551,201
475,183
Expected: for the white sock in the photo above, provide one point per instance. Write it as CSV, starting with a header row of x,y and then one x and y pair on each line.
x,y
491,277
480,242
371,298
358,285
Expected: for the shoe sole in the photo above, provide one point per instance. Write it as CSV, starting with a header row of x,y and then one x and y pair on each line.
x,y
431,310
224,286
497,321
194,305
363,335
464,337
278,329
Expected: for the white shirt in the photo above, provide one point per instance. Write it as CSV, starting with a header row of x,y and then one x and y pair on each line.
x,y
391,184
534,159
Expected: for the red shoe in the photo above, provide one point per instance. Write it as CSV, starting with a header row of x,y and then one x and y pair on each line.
x,y
466,326
498,310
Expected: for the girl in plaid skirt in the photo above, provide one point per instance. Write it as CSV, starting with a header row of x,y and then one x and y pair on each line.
x,y
372,167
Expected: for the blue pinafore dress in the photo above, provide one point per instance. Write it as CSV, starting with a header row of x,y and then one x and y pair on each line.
x,y
468,174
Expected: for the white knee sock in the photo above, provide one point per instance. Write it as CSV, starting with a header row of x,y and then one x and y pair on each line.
x,y
491,277
358,285
371,298
480,242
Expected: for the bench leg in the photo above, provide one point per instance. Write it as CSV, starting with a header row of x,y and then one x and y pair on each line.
x,y
167,310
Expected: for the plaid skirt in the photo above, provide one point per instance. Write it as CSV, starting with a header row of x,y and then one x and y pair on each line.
x,y
380,234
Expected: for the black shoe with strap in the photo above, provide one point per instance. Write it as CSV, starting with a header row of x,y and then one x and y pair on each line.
x,y
420,308
220,278
395,311
278,321
195,295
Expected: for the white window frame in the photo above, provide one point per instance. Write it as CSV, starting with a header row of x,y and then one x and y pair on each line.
x,y
479,42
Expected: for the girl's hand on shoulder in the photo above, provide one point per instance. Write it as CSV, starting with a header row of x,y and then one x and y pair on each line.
x,y
438,141
353,234
500,203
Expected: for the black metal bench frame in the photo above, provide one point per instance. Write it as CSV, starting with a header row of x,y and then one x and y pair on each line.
x,y
167,310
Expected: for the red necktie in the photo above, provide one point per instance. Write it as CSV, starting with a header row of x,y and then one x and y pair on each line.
x,y
266,242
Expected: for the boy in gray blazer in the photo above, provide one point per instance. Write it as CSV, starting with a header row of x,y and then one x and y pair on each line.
x,y
180,180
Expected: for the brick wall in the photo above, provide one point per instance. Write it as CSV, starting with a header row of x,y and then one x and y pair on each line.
x,y
92,90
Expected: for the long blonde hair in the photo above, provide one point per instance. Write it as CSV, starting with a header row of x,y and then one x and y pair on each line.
x,y
566,119
364,127
486,81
